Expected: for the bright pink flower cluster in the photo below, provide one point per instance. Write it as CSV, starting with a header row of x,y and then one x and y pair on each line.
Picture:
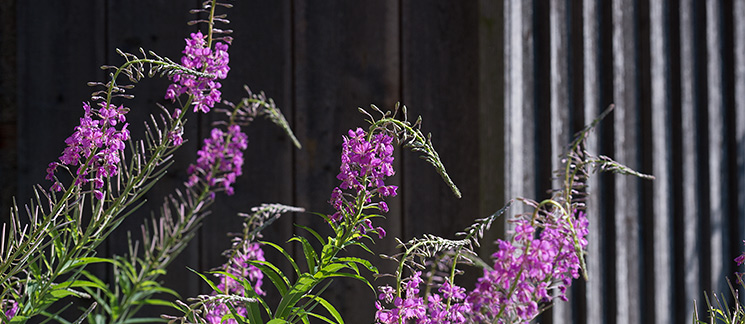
x,y
240,268
199,57
364,167
220,160
413,308
527,267
96,141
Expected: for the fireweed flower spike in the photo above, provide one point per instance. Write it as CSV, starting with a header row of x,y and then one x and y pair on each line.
x,y
239,267
365,163
95,147
220,160
525,268
546,251
200,57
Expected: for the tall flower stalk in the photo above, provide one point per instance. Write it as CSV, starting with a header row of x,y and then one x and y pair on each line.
x,y
219,163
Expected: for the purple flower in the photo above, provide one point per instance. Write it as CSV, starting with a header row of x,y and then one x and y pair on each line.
x,y
365,164
740,259
523,271
11,308
201,58
97,142
239,267
216,311
413,307
220,160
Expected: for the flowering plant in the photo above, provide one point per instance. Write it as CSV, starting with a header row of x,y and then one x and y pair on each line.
x,y
545,252
103,174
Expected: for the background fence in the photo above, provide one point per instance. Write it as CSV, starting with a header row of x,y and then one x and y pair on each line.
x,y
502,86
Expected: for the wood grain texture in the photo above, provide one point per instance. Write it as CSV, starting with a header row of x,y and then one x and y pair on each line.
x,y
626,125
595,291
560,122
144,26
346,55
690,157
660,109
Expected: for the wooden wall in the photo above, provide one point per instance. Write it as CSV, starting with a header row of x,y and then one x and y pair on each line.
x,y
502,86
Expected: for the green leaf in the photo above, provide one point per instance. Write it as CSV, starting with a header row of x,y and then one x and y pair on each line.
x,y
144,320
330,269
157,302
234,314
287,255
310,254
209,282
329,307
275,275
353,276
82,283
363,246
252,309
277,321
304,284
367,264
323,318
314,233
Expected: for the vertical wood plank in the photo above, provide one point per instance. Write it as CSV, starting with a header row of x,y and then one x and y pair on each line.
x,y
625,150
661,162
690,159
261,59
346,55
560,123
52,87
719,238
491,124
519,101
139,24
434,36
595,290
9,104
739,58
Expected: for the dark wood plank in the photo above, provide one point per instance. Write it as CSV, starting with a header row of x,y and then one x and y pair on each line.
x,y
260,58
141,24
661,142
441,83
739,58
9,104
491,124
346,55
60,47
